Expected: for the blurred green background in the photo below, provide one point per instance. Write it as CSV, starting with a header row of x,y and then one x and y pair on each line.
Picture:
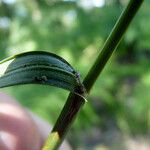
x,y
117,114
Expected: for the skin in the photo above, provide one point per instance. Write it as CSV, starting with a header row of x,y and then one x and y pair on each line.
x,y
20,129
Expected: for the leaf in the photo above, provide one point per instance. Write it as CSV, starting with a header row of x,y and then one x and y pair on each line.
x,y
39,67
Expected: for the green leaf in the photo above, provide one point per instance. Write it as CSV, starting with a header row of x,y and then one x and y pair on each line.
x,y
39,67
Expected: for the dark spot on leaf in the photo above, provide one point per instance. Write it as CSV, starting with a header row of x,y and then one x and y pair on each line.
x,y
41,79
44,78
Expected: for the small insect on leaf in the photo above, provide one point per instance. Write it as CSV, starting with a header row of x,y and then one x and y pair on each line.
x,y
39,67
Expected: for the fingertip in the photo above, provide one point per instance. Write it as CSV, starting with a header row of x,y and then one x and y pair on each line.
x,y
17,129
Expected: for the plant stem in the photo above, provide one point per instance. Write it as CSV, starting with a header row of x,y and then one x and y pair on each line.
x,y
74,102
70,110
111,43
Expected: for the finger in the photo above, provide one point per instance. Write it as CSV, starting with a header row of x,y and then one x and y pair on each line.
x,y
17,129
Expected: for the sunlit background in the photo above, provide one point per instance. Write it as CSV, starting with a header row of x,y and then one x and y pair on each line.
x,y
117,116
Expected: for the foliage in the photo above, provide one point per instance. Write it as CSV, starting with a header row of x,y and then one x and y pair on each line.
x,y
76,33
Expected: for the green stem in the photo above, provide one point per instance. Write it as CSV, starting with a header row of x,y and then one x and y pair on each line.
x,y
112,42
74,102
70,110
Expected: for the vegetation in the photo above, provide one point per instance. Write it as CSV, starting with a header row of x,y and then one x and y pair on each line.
x,y
76,32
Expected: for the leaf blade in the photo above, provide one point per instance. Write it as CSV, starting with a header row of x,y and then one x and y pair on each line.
x,y
39,67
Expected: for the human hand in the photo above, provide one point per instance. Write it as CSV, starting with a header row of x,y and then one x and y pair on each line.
x,y
21,129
